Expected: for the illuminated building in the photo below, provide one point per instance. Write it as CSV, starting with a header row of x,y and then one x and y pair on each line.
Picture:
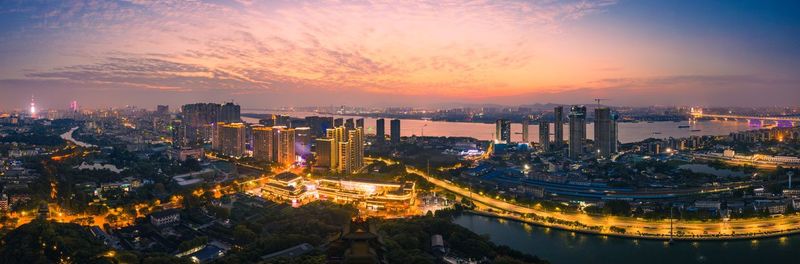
x,y
288,187
373,195
544,135
199,119
33,108
262,143
558,126
525,123
577,131
343,151
380,131
284,145
178,133
302,137
325,156
73,106
229,139
394,127
502,131
605,132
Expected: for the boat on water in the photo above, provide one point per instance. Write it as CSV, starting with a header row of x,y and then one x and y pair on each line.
x,y
684,126
656,133
695,130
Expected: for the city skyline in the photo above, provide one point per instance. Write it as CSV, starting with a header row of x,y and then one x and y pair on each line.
x,y
376,53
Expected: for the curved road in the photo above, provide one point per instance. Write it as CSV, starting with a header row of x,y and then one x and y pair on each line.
x,y
738,229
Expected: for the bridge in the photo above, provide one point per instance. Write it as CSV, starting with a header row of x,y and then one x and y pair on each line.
x,y
698,113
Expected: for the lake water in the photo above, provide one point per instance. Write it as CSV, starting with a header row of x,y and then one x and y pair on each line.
x,y
628,132
560,247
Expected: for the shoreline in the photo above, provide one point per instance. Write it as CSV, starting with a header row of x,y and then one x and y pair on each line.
x,y
631,236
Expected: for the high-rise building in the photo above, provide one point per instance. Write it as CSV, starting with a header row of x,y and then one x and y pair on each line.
x,y
360,122
394,127
230,139
338,122
263,143
302,138
199,120
325,156
178,131
318,125
160,109
544,135
380,131
525,122
558,126
284,145
349,124
230,113
605,132
342,151
502,131
577,131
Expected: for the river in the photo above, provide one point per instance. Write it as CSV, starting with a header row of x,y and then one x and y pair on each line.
x,y
68,137
628,132
559,246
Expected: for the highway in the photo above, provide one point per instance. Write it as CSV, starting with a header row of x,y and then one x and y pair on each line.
x,y
640,228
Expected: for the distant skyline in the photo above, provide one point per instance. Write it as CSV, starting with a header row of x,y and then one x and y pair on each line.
x,y
410,53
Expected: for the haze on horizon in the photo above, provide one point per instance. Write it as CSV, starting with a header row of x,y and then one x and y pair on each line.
x,y
390,53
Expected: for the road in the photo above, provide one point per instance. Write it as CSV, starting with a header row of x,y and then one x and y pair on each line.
x,y
634,227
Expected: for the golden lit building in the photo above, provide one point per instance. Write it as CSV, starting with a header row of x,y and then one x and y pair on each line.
x,y
262,143
373,195
229,139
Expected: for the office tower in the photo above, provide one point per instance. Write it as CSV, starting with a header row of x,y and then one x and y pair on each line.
x,y
262,143
302,138
577,131
544,135
558,126
394,127
525,123
160,109
360,122
230,139
284,145
380,131
178,131
502,131
605,132
230,113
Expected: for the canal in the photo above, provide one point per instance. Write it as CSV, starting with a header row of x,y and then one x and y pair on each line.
x,y
559,246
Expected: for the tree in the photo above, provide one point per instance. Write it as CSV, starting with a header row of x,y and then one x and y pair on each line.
x,y
243,235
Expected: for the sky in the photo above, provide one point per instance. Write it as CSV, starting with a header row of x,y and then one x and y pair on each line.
x,y
264,54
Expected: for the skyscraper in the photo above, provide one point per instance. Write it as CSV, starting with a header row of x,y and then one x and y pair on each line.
x,y
262,143
360,122
558,126
394,126
525,122
342,150
178,131
284,145
502,131
199,120
605,132
302,138
577,131
230,139
349,124
544,135
380,131
230,113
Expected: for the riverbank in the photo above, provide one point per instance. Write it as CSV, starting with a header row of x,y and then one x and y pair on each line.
x,y
635,236
560,247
